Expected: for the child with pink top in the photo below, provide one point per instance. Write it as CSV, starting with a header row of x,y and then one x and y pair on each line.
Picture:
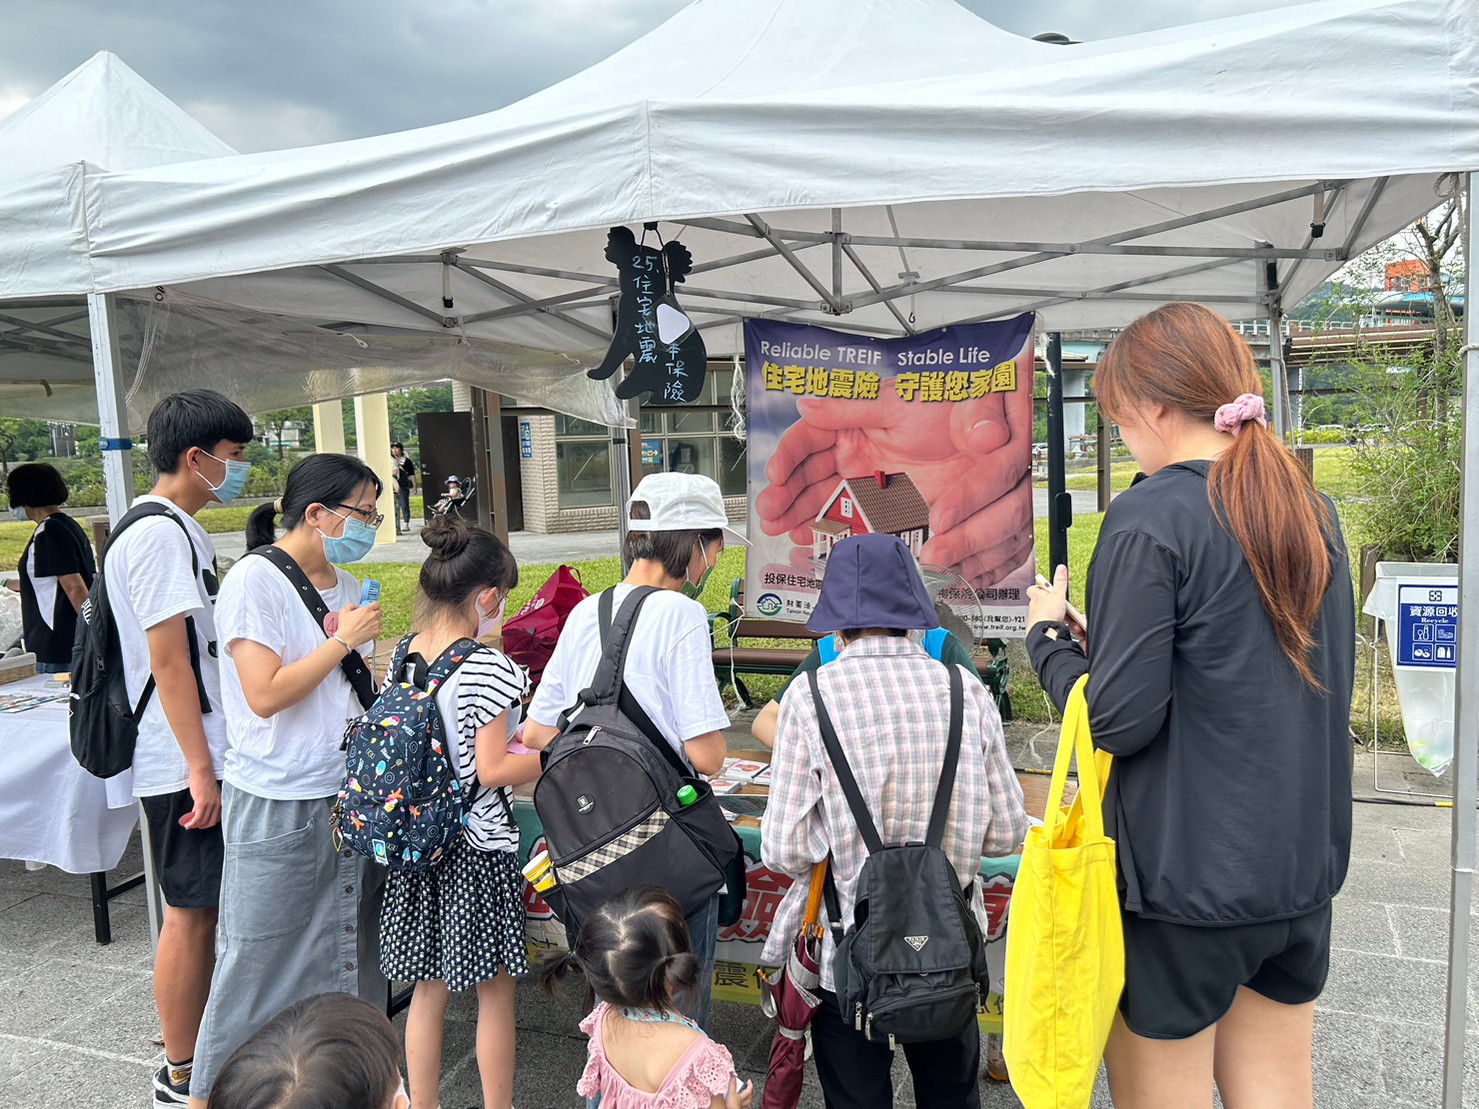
x,y
644,1054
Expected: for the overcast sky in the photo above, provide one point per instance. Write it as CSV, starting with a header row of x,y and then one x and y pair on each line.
x,y
266,74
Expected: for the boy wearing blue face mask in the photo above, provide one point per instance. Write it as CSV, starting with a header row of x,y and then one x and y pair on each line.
x,y
161,590
298,915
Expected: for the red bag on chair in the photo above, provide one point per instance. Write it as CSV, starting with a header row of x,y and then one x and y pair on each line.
x,y
530,634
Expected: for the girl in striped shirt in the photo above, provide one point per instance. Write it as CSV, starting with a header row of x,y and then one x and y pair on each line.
x,y
461,923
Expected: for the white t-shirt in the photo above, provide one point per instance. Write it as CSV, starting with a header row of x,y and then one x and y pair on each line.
x,y
149,581
487,683
293,755
669,668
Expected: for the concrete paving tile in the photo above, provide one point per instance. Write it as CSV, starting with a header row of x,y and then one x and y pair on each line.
x,y
53,992
1379,844
1422,933
64,1078
1359,925
1346,1060
1387,986
124,1022
1397,883
1412,1064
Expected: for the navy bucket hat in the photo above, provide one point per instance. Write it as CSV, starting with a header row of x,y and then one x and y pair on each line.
x,y
872,582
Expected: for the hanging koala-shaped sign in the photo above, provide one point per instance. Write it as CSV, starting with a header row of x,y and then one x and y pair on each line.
x,y
650,325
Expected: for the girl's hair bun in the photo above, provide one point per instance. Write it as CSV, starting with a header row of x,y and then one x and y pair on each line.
x,y
447,537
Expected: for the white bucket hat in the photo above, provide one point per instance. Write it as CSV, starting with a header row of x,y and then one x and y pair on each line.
x,y
682,502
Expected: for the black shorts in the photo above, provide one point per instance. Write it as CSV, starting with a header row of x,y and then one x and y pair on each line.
x,y
187,861
1181,979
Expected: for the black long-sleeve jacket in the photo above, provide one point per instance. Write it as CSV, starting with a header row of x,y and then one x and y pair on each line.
x,y
1230,798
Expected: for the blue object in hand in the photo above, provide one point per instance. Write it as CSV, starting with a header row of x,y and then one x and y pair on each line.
x,y
369,592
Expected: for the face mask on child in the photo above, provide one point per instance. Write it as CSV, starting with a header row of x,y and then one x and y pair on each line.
x,y
488,623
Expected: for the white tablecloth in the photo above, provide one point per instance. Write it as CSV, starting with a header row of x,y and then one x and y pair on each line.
x,y
51,810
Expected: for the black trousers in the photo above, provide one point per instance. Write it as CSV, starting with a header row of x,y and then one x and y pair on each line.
x,y
855,1072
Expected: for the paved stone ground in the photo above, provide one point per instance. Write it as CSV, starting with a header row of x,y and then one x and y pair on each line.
x,y
76,1030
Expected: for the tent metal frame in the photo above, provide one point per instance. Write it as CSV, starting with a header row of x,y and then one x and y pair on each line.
x,y
788,244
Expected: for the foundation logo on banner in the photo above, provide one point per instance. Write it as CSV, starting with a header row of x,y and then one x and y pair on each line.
x,y
927,438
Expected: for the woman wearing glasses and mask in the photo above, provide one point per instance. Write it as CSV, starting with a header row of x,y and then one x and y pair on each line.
x,y
294,911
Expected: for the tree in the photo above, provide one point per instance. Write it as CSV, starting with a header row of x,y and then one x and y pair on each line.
x,y
277,423
406,404
23,440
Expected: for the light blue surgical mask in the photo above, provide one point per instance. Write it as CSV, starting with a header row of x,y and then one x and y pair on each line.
x,y
234,481
353,545
18,512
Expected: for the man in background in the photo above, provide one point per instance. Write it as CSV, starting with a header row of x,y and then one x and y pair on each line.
x,y
403,478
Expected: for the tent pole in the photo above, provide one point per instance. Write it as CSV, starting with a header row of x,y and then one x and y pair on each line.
x,y
107,368
1060,504
1466,705
1280,414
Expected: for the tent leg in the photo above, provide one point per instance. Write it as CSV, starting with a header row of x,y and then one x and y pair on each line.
x,y
1060,503
1466,705
625,472
1280,413
107,371
487,442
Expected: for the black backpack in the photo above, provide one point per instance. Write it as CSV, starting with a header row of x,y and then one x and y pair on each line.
x,y
912,965
608,796
103,722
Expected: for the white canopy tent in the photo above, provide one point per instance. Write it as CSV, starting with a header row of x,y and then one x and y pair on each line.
x,y
102,116
883,165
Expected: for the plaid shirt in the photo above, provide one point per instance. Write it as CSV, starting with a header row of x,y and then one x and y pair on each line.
x,y
890,704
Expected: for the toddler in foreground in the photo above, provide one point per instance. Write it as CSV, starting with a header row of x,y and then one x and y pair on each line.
x,y
332,1051
635,953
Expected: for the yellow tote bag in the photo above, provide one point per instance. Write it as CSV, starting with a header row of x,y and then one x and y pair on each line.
x,y
1065,965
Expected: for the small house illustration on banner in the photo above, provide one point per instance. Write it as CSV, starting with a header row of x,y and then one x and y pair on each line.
x,y
875,504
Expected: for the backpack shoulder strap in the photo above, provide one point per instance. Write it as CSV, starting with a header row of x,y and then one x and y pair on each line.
x,y
353,664
609,685
941,808
398,658
127,520
445,665
871,839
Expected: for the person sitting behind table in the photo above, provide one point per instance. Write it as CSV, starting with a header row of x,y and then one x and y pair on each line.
x,y
332,1051
941,643
890,706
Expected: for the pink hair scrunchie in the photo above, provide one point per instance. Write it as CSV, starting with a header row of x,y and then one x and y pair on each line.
x,y
1231,417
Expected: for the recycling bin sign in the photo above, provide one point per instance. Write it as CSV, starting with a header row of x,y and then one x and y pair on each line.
x,y
1427,626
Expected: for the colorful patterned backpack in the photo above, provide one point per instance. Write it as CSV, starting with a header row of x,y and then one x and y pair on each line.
x,y
402,803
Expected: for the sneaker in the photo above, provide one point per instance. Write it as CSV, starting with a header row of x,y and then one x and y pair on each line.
x,y
172,1086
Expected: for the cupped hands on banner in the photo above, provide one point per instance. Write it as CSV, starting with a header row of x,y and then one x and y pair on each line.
x,y
970,461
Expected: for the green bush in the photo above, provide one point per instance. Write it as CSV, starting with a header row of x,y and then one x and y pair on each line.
x,y
1318,437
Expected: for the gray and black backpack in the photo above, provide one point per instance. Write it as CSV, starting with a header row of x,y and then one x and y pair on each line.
x,y
608,796
911,965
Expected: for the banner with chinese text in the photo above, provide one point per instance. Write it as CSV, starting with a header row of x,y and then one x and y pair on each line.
x,y
927,437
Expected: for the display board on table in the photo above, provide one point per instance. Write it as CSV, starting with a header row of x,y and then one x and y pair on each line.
x,y
927,437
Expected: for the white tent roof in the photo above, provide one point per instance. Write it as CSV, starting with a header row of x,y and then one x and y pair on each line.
x,y
1056,177
809,152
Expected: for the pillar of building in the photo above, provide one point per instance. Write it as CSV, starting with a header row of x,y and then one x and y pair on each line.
x,y
328,427
372,437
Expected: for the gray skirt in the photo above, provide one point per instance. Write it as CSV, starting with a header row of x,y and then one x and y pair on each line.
x,y
297,918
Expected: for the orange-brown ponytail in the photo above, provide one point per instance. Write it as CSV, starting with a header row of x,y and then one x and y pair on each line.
x,y
1188,358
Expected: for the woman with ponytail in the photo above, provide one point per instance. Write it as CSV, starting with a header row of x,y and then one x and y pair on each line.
x,y
461,923
1220,652
638,960
297,915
